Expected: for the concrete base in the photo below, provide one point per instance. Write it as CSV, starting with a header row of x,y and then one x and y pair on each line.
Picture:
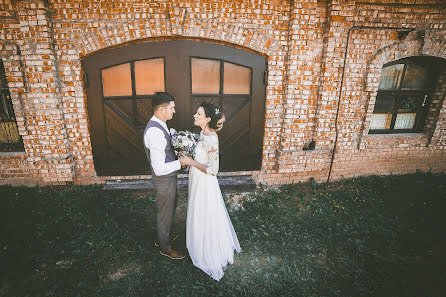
x,y
236,183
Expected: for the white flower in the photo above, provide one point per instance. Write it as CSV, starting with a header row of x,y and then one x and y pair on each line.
x,y
172,131
217,111
184,141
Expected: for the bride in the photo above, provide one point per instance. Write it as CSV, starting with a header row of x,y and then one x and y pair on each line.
x,y
210,236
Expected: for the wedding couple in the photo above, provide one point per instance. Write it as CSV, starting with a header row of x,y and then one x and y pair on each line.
x,y
210,236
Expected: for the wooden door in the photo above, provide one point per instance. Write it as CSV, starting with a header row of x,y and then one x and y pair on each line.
x,y
121,81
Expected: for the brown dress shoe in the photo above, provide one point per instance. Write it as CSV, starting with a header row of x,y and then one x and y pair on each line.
x,y
173,254
172,237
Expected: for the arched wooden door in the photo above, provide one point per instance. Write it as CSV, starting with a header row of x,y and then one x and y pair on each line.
x,y
121,81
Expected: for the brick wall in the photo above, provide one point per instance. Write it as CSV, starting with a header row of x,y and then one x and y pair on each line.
x,y
324,63
14,169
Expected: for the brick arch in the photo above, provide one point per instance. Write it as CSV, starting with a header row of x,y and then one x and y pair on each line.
x,y
6,50
12,60
175,24
417,43
18,88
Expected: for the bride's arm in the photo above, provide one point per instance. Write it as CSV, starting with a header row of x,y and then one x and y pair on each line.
x,y
213,159
189,161
199,166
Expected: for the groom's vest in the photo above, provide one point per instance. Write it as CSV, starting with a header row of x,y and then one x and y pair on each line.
x,y
170,152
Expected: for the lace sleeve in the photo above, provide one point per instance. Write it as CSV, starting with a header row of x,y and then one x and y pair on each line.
x,y
213,158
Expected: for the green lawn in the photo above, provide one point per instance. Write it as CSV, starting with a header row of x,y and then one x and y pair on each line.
x,y
374,236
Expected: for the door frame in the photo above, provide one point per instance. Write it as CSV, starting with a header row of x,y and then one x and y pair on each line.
x,y
133,51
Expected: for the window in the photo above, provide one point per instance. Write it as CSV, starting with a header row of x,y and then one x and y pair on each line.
x,y
206,77
237,79
127,89
223,83
10,140
404,95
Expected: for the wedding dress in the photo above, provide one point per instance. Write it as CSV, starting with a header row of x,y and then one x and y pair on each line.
x,y
210,236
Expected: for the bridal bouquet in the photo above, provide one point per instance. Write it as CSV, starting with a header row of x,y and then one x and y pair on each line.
x,y
184,141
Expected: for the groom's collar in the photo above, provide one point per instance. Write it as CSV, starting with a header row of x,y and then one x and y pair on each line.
x,y
163,124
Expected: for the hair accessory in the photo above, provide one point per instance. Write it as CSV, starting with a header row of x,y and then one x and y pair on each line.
x,y
217,111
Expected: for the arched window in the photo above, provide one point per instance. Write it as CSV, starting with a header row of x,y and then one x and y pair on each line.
x,y
404,95
10,140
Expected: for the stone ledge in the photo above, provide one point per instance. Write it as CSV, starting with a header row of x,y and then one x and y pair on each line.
x,y
236,183
7,154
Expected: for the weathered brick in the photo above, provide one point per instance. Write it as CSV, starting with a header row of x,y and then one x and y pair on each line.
x,y
304,42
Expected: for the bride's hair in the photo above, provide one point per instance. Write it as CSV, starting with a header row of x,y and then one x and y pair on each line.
x,y
217,117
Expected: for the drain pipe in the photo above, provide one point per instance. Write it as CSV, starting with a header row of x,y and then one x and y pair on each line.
x,y
277,152
342,82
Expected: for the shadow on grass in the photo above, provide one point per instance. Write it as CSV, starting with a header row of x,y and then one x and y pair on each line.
x,y
374,236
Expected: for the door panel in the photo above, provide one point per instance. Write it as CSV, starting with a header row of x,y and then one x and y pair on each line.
x,y
144,111
118,121
125,146
232,106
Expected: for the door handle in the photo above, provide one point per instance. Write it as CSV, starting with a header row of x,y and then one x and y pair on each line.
x,y
424,101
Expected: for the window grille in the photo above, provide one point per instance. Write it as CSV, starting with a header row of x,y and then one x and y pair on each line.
x,y
404,95
10,140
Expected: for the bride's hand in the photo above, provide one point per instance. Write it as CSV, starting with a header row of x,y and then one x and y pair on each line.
x,y
185,159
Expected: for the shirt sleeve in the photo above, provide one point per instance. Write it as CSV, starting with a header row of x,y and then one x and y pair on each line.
x,y
156,142
213,157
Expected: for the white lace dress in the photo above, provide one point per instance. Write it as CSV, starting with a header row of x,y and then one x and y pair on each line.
x,y
210,236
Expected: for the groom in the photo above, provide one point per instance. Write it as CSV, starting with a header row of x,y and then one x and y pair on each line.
x,y
165,167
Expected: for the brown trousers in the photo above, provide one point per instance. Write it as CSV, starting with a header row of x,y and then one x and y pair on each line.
x,y
166,201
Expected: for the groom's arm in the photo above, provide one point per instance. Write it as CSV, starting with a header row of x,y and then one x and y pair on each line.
x,y
156,142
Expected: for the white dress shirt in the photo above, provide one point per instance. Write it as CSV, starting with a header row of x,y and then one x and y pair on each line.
x,y
155,141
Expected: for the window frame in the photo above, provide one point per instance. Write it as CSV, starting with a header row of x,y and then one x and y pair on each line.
x,y
6,102
433,68
218,98
134,98
220,93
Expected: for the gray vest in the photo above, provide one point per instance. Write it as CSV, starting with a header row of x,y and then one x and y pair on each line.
x,y
170,152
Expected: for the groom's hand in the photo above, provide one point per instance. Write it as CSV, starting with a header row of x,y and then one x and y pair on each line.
x,y
185,159
181,158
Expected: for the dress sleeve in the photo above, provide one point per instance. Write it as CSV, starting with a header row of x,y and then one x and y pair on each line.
x,y
213,158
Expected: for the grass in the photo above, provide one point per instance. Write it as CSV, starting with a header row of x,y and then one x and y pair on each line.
x,y
374,236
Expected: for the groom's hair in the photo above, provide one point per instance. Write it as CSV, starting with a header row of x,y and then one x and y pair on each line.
x,y
161,98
